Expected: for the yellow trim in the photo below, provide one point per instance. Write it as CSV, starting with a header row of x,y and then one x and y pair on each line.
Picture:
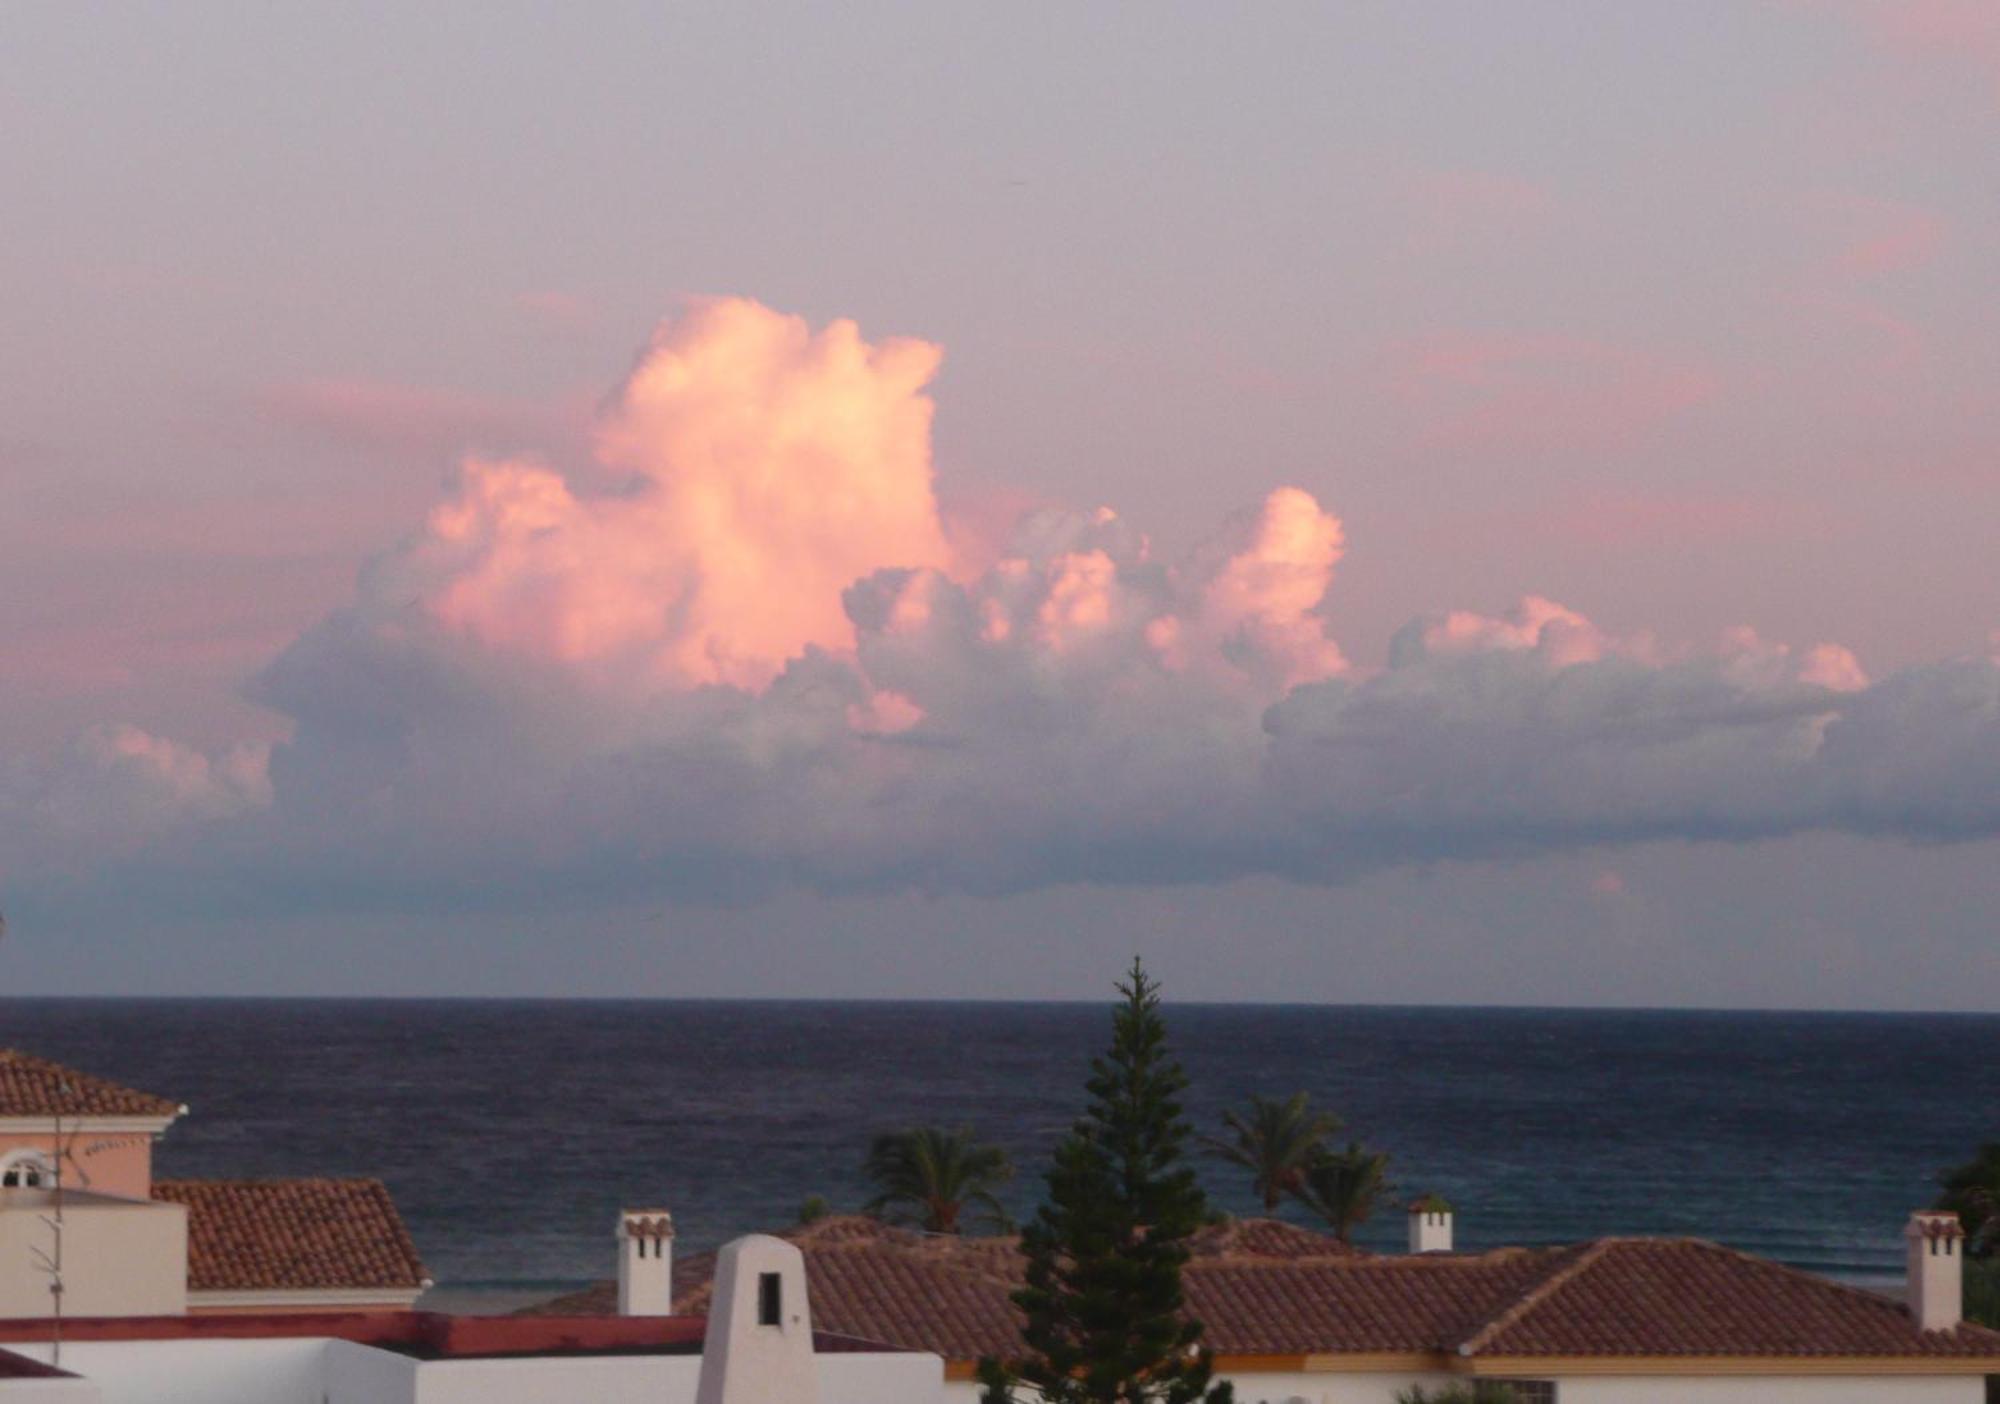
x,y
1559,1366
1556,1366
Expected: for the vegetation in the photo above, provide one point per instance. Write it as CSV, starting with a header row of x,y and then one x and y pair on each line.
x,y
1973,1191
1277,1143
1471,1392
1343,1187
814,1208
1105,1317
929,1176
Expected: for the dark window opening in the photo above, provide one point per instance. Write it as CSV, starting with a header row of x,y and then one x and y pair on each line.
x,y
770,1298
1532,1391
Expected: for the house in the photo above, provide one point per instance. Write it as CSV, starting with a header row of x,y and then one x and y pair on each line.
x,y
1299,1318
132,1245
757,1345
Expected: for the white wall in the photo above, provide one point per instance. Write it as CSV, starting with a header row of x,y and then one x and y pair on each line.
x,y
1278,1388
363,1373
317,1371
196,1372
1332,1388
600,1379
1751,1389
120,1257
49,1391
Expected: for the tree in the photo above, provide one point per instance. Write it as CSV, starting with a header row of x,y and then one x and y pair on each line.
x,y
1342,1187
1105,1318
928,1176
1276,1143
1973,1191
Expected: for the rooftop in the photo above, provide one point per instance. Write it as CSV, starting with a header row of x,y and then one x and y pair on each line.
x,y
32,1086
293,1235
1264,1288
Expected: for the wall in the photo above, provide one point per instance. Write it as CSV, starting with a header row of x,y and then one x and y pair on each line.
x,y
103,1162
1751,1389
364,1375
197,1372
1280,1388
120,1257
1331,1388
655,1379
49,1391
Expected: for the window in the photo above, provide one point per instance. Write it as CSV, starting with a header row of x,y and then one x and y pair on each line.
x,y
1532,1391
26,1170
770,1299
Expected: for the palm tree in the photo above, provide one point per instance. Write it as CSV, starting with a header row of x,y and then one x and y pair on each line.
x,y
1275,1143
1342,1187
928,1175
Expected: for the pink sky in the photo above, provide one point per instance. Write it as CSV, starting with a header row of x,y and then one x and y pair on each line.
x,y
1251,351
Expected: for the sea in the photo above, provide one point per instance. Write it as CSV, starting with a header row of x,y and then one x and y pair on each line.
x,y
511,1132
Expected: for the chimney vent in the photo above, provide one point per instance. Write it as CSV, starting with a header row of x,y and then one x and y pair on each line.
x,y
1936,1242
1430,1225
645,1263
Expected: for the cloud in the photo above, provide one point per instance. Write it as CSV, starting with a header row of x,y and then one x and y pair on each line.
x,y
116,788
737,652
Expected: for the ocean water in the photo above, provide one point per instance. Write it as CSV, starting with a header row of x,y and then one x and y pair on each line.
x,y
512,1132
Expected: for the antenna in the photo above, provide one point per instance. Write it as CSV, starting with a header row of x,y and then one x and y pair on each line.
x,y
51,1261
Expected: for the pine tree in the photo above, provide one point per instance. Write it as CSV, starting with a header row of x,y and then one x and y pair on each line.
x,y
1106,1322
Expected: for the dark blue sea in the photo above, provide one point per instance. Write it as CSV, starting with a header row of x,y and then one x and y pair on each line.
x,y
511,1132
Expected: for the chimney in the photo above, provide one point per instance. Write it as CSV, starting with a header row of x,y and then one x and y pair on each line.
x,y
1936,1287
759,1345
645,1263
1430,1225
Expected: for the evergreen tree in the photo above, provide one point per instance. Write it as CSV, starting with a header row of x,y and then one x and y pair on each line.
x,y
1105,1318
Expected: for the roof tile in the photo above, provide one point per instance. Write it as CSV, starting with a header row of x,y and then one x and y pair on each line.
x,y
32,1086
293,1235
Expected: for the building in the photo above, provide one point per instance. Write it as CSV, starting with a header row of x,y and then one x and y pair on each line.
x,y
135,1246
757,1346
1298,1318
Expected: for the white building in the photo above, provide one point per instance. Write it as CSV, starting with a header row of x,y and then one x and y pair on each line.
x,y
758,1347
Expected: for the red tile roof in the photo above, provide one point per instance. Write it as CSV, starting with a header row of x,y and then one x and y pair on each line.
x,y
1267,1288
293,1235
31,1086
1678,1296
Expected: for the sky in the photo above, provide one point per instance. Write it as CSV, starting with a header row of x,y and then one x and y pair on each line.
x,y
1448,503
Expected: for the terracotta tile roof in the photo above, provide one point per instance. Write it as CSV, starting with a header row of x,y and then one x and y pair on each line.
x,y
1678,1296
31,1086
293,1235
1267,1288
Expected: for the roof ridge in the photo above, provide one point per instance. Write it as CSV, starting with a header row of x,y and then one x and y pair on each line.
x,y
1566,1273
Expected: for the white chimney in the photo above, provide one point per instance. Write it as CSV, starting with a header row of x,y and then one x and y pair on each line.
x,y
645,1263
1430,1225
1936,1243
759,1347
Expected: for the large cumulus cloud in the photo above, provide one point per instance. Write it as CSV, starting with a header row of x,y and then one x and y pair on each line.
x,y
737,652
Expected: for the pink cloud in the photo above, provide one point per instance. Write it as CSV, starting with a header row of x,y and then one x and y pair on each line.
x,y
765,467
1609,883
1505,392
